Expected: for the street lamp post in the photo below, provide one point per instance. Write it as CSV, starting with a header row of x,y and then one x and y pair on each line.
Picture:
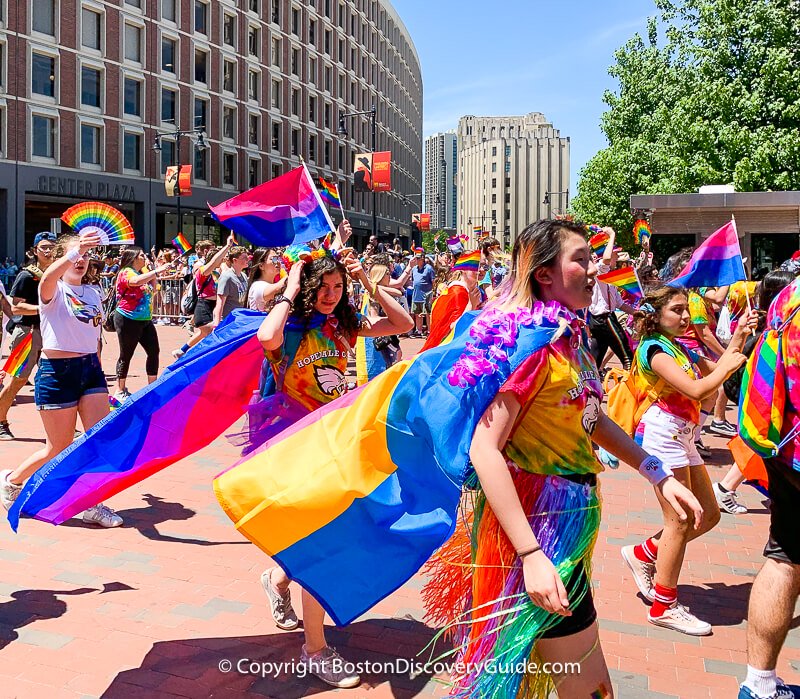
x,y
546,200
199,132
342,131
483,217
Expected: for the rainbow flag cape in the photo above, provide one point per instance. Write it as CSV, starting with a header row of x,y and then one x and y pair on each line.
x,y
277,213
762,400
468,262
448,307
18,359
623,278
386,461
192,403
181,243
598,242
330,193
717,262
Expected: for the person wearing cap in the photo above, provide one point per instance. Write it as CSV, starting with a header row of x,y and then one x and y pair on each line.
x,y
25,307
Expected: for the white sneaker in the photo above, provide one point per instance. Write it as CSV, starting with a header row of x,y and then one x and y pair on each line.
x,y
727,501
103,516
177,353
331,667
122,395
9,492
643,572
679,618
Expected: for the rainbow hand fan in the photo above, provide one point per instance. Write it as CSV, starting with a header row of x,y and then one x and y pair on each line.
x,y
101,218
641,231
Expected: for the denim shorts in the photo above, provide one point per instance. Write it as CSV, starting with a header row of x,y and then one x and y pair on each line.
x,y
60,383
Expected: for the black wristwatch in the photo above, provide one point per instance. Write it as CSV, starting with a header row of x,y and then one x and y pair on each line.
x,y
279,298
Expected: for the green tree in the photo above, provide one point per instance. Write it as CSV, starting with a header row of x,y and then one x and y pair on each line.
x,y
429,245
712,96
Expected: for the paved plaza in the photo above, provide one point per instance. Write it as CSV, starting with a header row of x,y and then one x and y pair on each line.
x,y
154,608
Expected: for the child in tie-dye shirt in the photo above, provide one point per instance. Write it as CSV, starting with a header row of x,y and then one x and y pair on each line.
x,y
683,379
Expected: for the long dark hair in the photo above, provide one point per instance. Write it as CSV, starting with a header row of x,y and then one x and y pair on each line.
x,y
128,255
311,283
259,256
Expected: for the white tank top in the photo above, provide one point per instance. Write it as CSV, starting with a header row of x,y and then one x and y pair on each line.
x,y
71,321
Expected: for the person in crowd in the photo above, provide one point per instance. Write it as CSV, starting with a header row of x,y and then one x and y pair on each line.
x,y
264,281
527,550
111,265
232,284
774,595
422,279
377,247
133,317
70,381
206,289
307,335
25,307
682,379
5,312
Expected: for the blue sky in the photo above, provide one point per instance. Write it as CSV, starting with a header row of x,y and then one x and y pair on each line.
x,y
518,56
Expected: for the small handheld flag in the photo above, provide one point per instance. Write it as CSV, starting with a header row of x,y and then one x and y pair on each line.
x,y
599,242
18,359
454,245
181,243
625,279
641,232
330,192
717,262
468,262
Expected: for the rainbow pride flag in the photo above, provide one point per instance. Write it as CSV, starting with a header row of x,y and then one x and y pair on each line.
x,y
386,461
468,262
18,359
330,193
624,279
193,401
598,242
477,231
717,262
277,213
181,243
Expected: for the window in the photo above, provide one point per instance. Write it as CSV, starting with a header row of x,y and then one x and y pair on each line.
x,y
328,78
228,75
295,21
312,147
276,170
229,169
276,52
295,142
132,151
168,104
90,87
327,115
133,43
327,158
312,32
494,198
200,113
201,163
168,54
253,172
252,84
135,3
276,136
229,30
276,94
508,166
494,182
200,17
167,13
90,29
508,181
44,17
90,144
508,151
494,150
296,102
167,154
254,41
276,11
327,42
133,97
252,129
508,198
295,62
312,109
254,6
312,70
44,136
494,167
200,66
43,75
508,214
229,122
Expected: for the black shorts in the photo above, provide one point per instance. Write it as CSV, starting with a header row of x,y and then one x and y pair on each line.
x,y
584,615
204,312
784,491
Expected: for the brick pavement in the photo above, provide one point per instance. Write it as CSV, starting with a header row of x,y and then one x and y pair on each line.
x,y
150,609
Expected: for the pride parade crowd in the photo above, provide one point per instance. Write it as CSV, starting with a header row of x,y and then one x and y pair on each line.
x,y
444,459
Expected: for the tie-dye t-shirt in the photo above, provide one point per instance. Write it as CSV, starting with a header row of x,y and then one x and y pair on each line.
x,y
698,315
560,394
780,310
670,399
737,297
134,302
317,373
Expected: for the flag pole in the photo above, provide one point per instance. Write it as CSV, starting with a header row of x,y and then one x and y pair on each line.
x,y
746,291
636,274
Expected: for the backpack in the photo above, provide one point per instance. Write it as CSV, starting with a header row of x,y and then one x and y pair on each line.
x,y
189,300
627,404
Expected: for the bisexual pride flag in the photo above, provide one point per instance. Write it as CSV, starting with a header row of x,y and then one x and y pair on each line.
x,y
717,262
278,213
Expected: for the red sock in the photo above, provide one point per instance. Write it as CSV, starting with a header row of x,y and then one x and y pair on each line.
x,y
647,551
665,598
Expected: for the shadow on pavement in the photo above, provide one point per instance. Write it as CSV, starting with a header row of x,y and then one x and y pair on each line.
x,y
718,603
191,667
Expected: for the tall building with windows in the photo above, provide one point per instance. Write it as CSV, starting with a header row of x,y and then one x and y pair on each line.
x,y
441,178
508,167
86,85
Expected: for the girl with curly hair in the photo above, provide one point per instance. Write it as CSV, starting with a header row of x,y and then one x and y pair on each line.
x,y
307,337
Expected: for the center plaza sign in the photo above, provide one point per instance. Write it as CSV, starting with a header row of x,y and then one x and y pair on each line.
x,y
74,187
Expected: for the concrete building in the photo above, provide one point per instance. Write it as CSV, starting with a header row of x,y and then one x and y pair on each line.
x,y
441,179
768,223
506,166
86,85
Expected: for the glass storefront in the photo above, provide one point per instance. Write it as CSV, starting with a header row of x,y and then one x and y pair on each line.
x,y
769,250
664,246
